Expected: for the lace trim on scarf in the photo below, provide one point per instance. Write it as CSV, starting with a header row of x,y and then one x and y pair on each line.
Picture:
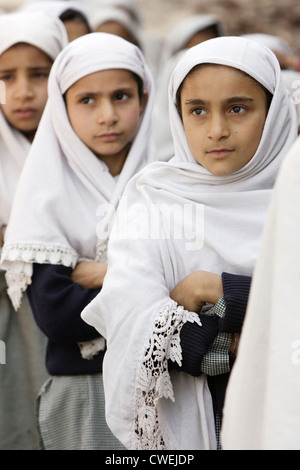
x,y
154,380
17,261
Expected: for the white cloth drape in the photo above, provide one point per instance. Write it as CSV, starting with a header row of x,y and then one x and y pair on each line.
x,y
49,35
262,402
175,218
65,192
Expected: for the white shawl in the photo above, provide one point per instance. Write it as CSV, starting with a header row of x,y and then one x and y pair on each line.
x,y
65,192
175,218
49,35
262,405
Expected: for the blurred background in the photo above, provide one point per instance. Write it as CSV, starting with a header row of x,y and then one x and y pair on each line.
x,y
277,17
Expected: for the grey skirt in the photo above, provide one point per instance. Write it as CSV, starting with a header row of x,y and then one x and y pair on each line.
x,y
71,415
22,373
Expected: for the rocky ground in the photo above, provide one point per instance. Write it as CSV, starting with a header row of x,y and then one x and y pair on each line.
x,y
278,17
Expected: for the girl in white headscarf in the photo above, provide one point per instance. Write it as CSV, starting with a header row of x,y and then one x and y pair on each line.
x,y
204,210
94,136
26,57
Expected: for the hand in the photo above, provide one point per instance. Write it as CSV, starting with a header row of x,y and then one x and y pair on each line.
x,y
89,274
234,345
197,289
2,232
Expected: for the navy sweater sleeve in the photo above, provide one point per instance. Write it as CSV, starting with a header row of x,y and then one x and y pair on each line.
x,y
57,302
195,340
236,292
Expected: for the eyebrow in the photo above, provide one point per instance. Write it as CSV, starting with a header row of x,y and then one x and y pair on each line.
x,y
233,99
95,93
44,67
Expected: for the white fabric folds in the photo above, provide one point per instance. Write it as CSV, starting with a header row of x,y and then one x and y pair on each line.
x,y
262,403
66,197
175,218
49,35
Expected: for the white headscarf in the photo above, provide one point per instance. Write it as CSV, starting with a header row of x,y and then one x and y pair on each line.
x,y
291,78
56,7
131,6
49,35
99,16
185,29
149,45
262,403
54,218
176,218
275,43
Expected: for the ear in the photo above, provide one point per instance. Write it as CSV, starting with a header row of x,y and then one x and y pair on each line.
x,y
143,101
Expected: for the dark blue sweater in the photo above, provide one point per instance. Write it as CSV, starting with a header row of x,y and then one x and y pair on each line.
x,y
195,340
57,302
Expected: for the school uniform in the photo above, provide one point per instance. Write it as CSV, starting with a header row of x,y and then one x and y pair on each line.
x,y
65,220
193,220
24,372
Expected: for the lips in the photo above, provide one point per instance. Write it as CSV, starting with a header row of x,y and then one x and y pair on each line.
x,y
109,136
25,113
219,153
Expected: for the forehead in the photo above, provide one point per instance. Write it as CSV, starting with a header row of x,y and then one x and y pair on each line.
x,y
105,80
216,80
24,54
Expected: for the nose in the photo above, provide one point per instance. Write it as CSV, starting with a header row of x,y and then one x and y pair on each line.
x,y
23,89
107,113
218,127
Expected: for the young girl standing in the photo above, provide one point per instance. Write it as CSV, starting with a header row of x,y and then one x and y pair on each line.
x,y
26,57
93,137
232,122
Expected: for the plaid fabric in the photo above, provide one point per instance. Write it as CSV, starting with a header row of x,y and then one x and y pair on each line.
x,y
71,415
216,360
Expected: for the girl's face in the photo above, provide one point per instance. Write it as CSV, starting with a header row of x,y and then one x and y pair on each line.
x,y
24,69
104,110
75,28
223,113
